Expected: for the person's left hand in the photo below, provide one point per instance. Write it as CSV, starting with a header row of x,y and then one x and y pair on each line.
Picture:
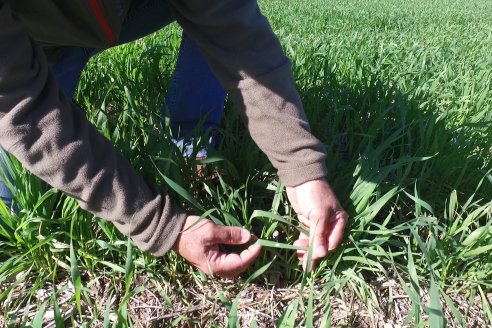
x,y
199,244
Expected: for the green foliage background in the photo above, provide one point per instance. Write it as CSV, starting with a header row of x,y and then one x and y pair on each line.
x,y
400,94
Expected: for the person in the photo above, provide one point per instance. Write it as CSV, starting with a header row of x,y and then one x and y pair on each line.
x,y
52,138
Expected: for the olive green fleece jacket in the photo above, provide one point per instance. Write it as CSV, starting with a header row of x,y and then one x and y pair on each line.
x,y
53,139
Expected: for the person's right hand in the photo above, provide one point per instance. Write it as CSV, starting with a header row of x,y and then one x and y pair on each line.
x,y
199,244
317,207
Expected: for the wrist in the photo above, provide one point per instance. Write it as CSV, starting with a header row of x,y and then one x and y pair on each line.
x,y
300,175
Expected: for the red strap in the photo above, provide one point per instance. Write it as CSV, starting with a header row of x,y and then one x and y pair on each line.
x,y
98,11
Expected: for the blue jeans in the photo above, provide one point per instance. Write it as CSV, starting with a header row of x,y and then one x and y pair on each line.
x,y
194,96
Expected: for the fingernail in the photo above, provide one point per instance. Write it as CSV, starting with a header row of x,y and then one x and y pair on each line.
x,y
245,235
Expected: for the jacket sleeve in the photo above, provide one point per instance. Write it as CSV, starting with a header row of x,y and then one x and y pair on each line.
x,y
247,58
53,139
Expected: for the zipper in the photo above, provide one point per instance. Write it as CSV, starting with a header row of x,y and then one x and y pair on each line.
x,y
103,21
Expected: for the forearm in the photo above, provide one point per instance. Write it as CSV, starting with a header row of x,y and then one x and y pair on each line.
x,y
53,139
249,61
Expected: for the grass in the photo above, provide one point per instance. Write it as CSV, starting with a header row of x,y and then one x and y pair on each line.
x,y
400,94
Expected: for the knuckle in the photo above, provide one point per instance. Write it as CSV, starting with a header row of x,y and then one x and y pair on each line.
x,y
208,229
319,234
342,214
234,234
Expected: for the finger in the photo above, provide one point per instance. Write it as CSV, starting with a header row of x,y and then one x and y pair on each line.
x,y
230,235
304,243
304,220
318,234
336,230
303,236
230,265
305,261
302,255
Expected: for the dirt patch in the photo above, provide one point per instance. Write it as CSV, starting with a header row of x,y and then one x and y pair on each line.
x,y
208,304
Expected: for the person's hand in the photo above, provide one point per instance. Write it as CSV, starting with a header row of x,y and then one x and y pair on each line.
x,y
318,209
199,244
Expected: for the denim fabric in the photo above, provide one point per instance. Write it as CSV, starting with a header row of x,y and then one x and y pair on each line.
x,y
195,97
69,67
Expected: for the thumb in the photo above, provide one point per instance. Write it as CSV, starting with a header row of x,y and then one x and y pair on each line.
x,y
230,235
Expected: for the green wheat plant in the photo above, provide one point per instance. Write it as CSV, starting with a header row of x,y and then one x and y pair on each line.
x,y
399,93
